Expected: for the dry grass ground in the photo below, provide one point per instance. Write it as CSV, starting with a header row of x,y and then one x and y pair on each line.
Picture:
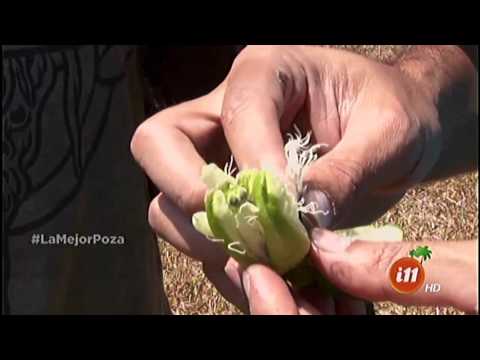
x,y
444,211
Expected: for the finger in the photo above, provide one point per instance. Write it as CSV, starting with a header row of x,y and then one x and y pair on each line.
x,y
267,293
305,308
263,94
311,301
367,162
234,272
174,226
348,306
359,268
362,269
228,282
171,147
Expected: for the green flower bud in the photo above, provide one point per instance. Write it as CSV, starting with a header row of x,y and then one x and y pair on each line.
x,y
255,217
286,238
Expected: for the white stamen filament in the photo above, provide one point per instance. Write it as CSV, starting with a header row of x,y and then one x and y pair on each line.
x,y
251,219
215,240
311,209
300,154
240,250
229,169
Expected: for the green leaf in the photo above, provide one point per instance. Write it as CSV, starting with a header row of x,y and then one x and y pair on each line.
x,y
214,177
386,233
257,214
286,238
223,225
251,231
200,223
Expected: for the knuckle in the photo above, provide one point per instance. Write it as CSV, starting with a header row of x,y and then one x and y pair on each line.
x,y
235,105
142,136
137,140
342,272
190,201
408,143
264,52
396,119
285,78
153,214
384,256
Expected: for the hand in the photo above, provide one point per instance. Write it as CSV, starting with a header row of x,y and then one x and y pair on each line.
x,y
268,294
361,268
381,127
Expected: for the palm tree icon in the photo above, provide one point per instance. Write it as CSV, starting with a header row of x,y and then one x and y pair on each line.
x,y
422,252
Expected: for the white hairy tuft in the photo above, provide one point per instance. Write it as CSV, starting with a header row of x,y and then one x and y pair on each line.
x,y
300,154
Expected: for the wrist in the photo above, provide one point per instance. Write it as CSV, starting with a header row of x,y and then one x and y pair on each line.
x,y
454,269
445,73
446,77
422,88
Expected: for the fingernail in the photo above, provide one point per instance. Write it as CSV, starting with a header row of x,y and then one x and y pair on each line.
x,y
233,271
324,218
329,241
246,283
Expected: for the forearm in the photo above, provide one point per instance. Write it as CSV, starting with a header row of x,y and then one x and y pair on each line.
x,y
448,74
454,268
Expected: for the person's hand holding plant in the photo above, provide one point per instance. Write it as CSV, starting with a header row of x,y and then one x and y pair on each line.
x,y
381,124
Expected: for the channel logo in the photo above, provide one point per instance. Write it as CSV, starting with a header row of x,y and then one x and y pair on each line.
x,y
407,275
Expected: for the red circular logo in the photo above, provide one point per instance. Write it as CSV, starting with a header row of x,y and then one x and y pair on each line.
x,y
407,275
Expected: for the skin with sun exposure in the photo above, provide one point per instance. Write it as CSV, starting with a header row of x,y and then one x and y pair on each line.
x,y
383,125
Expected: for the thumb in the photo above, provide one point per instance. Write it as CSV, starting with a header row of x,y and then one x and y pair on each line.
x,y
362,269
342,185
267,293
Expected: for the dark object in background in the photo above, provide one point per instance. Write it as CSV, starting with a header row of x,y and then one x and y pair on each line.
x,y
175,74
68,116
